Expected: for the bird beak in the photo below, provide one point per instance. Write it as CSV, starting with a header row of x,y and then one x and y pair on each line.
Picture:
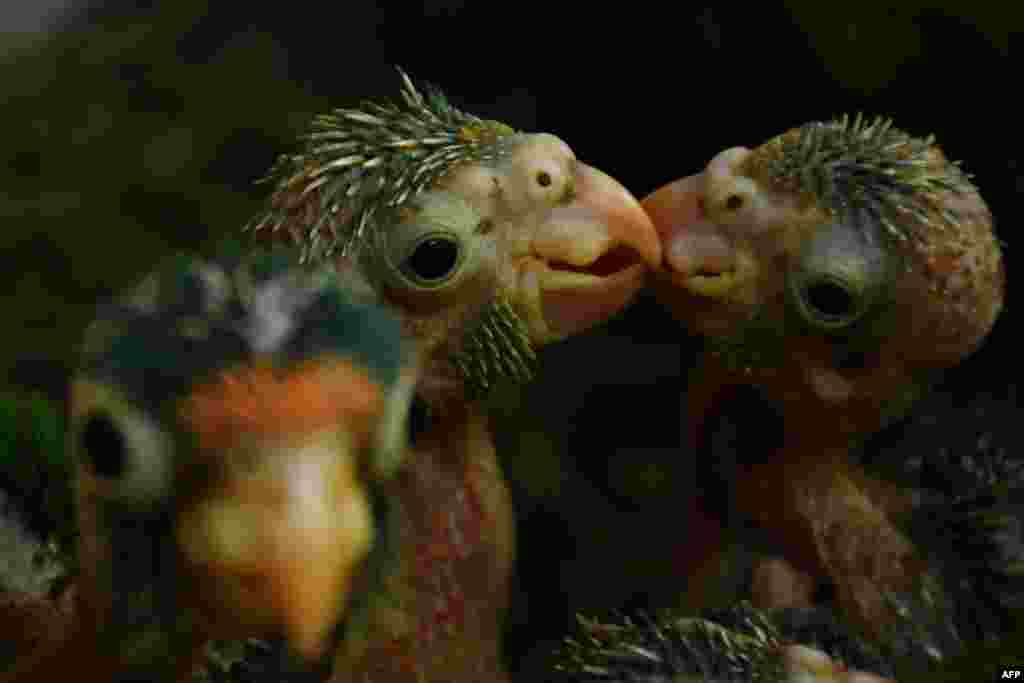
x,y
698,257
596,250
284,537
688,213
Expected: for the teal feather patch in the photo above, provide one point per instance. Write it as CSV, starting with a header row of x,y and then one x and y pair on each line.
x,y
192,318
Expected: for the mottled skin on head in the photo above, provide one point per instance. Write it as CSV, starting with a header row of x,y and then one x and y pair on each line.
x,y
487,243
838,269
232,424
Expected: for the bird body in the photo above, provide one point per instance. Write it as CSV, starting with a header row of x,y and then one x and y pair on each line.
x,y
487,243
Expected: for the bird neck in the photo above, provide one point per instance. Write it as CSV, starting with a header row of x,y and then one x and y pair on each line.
x,y
443,617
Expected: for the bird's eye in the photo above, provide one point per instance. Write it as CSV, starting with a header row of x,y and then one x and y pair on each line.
x,y
549,184
428,249
839,274
434,259
829,300
123,450
103,446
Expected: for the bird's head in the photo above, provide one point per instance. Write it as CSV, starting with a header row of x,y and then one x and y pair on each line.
x,y
231,421
848,248
489,241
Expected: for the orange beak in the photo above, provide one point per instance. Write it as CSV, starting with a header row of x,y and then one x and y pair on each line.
x,y
597,250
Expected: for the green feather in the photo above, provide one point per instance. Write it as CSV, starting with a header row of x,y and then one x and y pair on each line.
x,y
214,306
670,647
736,644
496,347
36,485
32,430
866,165
356,162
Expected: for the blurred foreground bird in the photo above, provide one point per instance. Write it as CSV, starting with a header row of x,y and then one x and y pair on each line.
x,y
487,243
231,425
837,269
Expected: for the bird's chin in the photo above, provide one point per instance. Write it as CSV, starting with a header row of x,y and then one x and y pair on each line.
x,y
573,302
710,285
702,304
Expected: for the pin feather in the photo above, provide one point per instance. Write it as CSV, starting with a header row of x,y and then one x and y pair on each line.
x,y
665,650
864,166
355,162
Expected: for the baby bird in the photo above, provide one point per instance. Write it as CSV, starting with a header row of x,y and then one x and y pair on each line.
x,y
837,269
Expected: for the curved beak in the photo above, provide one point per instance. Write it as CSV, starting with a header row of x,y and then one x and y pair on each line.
x,y
596,250
698,256
282,541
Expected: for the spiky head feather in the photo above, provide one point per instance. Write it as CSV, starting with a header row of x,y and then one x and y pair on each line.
x,y
863,166
355,163
667,648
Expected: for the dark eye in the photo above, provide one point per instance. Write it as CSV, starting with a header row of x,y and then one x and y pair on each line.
x,y
842,271
734,202
829,300
103,446
544,179
419,419
433,259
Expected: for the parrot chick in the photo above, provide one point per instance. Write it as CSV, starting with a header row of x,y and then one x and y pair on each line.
x,y
488,243
231,424
836,269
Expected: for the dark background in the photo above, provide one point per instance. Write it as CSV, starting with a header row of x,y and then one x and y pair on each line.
x,y
130,129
